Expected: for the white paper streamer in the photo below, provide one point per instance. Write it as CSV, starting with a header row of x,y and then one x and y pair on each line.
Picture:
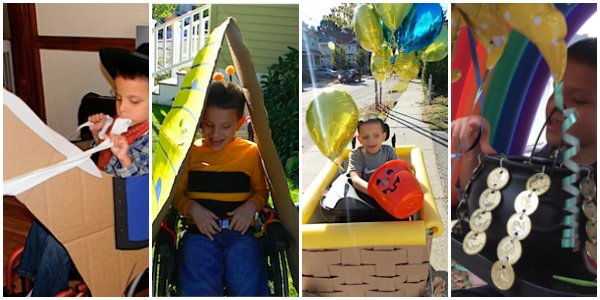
x,y
75,157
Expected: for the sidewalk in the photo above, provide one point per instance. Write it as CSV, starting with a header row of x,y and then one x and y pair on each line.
x,y
405,121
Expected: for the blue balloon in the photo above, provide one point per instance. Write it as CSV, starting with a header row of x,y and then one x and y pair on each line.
x,y
421,26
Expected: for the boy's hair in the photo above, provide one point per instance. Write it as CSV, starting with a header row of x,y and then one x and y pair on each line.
x,y
132,74
584,52
373,119
226,95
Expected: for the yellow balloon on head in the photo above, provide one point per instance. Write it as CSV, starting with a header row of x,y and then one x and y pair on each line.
x,y
545,26
331,120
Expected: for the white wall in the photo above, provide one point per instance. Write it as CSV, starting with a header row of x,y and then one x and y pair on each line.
x,y
69,75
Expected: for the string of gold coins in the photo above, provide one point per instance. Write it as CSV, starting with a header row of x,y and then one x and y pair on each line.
x,y
587,187
482,217
518,227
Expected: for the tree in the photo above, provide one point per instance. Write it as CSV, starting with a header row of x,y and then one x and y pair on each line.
x,y
160,11
342,16
339,58
328,27
361,58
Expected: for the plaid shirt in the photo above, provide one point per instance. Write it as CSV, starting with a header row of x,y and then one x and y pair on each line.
x,y
139,152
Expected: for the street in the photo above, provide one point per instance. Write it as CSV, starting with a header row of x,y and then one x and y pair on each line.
x,y
362,92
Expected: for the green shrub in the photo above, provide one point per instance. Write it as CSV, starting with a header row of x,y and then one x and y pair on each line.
x,y
439,81
280,89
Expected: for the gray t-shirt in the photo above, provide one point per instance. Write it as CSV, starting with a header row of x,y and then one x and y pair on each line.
x,y
365,163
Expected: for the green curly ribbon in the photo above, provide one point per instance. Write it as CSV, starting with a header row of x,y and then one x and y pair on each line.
x,y
578,282
570,235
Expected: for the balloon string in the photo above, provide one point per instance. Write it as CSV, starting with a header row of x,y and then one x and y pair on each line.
x,y
475,59
477,98
570,234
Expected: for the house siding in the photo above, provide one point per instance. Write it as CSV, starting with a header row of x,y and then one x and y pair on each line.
x,y
267,31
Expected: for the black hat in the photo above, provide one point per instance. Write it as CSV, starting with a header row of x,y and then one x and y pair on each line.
x,y
125,61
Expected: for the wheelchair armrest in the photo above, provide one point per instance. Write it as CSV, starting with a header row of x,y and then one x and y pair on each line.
x,y
276,236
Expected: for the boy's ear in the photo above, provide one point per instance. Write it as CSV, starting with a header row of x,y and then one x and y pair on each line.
x,y
384,135
241,122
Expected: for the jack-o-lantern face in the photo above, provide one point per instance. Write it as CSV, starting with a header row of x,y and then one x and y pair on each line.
x,y
385,182
396,189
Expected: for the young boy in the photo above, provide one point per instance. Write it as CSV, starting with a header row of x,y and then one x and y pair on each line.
x,y
364,160
579,91
222,186
45,261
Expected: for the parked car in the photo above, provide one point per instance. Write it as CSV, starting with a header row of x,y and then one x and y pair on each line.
x,y
351,75
325,73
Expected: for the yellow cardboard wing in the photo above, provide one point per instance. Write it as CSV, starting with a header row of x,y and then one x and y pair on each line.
x,y
180,124
76,207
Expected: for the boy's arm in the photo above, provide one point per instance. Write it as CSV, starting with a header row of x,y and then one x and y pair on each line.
x,y
140,157
259,186
359,183
467,129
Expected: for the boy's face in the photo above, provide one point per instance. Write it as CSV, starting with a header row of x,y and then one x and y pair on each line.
x,y
371,136
219,126
579,91
133,99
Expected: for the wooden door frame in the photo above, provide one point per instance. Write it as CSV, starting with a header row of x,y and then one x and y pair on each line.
x,y
26,56
27,43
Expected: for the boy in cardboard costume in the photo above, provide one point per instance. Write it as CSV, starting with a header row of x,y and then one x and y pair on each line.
x,y
45,260
222,186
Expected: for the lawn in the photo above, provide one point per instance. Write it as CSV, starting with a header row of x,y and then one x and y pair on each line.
x,y
436,114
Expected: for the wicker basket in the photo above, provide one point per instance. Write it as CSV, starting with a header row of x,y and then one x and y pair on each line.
x,y
393,271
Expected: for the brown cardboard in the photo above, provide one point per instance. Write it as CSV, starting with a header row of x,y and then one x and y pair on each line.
x,y
76,207
389,271
286,209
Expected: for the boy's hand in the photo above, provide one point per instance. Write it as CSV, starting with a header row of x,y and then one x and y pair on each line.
x,y
467,129
204,219
120,150
241,217
99,120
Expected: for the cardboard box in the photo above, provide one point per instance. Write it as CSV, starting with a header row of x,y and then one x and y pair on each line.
x,y
76,207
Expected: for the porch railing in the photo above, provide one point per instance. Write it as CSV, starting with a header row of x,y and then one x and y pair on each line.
x,y
177,41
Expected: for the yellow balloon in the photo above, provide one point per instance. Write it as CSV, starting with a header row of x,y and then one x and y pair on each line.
x,y
488,27
407,66
456,22
381,66
543,25
392,14
455,75
437,50
367,28
331,46
331,120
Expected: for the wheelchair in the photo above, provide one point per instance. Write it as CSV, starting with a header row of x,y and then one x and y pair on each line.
x,y
165,271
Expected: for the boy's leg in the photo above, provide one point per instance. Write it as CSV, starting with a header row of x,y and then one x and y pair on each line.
x,y
53,273
200,266
245,265
45,261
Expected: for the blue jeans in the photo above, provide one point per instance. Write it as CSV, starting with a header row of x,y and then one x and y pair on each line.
x,y
233,260
45,261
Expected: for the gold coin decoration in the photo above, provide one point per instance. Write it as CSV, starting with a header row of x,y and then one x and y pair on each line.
x,y
489,199
480,220
498,178
589,209
588,188
474,242
503,275
511,249
527,202
590,229
591,248
519,224
539,183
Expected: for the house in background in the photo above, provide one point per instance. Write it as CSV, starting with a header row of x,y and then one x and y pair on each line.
x,y
267,30
312,55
